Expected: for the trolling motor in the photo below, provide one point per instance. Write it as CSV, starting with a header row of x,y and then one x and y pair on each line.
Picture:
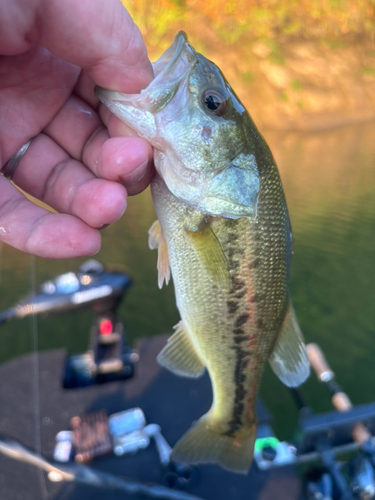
x,y
91,287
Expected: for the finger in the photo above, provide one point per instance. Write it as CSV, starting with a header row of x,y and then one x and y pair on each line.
x,y
98,36
33,87
50,175
33,229
122,165
84,89
77,129
73,126
127,160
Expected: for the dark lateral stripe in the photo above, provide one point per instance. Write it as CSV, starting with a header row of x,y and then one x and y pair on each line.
x,y
237,284
242,361
238,339
241,320
231,252
240,294
232,306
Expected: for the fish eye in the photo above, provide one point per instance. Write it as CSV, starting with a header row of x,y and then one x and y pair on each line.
x,y
214,102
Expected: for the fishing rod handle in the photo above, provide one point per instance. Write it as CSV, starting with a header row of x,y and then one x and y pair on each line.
x,y
360,434
325,374
342,403
319,363
340,399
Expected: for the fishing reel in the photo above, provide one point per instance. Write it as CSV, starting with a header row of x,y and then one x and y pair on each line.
x,y
320,489
360,477
322,437
363,478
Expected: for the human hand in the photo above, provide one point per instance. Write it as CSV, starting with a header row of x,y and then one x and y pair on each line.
x,y
72,164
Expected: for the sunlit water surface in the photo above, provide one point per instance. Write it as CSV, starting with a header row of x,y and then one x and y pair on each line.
x,y
329,180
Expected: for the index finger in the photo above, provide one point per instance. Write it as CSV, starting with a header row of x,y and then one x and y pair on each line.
x,y
99,36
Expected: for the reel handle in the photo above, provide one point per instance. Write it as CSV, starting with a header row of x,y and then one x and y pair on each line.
x,y
319,363
340,399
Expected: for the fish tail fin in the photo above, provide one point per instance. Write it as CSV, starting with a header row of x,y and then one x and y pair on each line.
x,y
202,444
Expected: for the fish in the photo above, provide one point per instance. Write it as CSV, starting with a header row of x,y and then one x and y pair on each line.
x,y
223,232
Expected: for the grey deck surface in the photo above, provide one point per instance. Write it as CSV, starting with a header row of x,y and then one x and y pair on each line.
x,y
172,402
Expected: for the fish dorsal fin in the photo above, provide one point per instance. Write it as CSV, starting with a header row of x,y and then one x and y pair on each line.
x,y
179,355
156,240
210,252
289,357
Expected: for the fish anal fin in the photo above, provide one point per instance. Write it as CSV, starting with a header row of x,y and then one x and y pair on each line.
x,y
179,355
156,240
289,358
209,249
202,444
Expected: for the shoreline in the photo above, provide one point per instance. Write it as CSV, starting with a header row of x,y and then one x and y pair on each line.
x,y
296,85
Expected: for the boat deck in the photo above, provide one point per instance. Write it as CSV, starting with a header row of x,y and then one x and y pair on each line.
x,y
172,402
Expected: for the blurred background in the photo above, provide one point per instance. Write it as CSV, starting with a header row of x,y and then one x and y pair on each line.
x,y
305,70
298,64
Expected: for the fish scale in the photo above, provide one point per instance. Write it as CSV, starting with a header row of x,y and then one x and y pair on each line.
x,y
223,230
203,315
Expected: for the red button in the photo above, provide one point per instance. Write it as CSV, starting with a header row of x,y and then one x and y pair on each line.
x,y
106,327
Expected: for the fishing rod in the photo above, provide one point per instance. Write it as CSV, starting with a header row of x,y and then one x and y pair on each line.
x,y
322,489
363,467
340,399
333,479
87,475
324,436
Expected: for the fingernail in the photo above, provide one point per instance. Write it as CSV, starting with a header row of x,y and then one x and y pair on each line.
x,y
136,175
119,217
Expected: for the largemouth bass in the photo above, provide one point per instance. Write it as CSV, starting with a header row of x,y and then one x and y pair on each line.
x,y
223,230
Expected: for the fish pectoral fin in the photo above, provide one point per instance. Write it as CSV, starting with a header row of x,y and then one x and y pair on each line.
x,y
210,252
156,240
202,444
289,358
179,355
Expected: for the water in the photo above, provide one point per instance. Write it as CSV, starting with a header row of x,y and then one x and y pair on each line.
x,y
329,180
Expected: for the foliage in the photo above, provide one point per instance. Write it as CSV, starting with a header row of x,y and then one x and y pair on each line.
x,y
233,20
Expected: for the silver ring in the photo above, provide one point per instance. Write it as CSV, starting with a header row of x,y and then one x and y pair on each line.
x,y
12,164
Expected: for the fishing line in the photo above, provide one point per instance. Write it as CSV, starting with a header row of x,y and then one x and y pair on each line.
x,y
37,420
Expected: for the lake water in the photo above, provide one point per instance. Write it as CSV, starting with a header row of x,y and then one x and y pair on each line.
x,y
329,180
